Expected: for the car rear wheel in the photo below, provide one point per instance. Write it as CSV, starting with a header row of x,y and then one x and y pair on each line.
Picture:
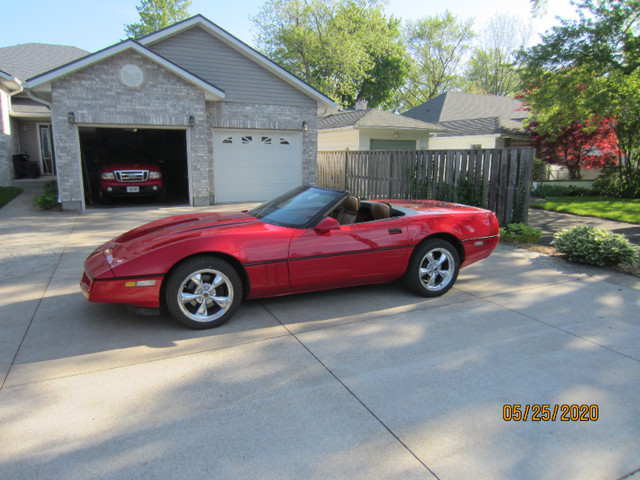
x,y
433,268
203,292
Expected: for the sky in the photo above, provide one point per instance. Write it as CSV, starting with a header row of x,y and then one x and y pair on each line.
x,y
96,24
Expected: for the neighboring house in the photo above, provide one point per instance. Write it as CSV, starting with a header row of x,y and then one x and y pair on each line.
x,y
26,124
473,121
225,122
373,129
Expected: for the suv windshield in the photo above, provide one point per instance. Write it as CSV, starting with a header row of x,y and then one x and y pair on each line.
x,y
298,208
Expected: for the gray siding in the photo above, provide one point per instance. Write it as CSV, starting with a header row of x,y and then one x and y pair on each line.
x,y
242,79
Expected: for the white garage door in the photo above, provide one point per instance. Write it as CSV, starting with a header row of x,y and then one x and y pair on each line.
x,y
255,165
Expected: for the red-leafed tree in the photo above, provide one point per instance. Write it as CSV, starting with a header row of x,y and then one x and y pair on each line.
x,y
579,146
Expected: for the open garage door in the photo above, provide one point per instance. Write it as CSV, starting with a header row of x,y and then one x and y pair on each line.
x,y
134,165
255,165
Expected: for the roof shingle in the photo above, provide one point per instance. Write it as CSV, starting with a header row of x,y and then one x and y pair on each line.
x,y
29,59
374,118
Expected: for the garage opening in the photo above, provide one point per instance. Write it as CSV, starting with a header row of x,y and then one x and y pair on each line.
x,y
125,166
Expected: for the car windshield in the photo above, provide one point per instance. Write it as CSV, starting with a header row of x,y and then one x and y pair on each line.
x,y
298,208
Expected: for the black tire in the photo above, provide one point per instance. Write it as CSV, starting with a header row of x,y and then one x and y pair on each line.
x,y
203,292
433,268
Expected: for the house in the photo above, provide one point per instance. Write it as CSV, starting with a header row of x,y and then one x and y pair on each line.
x,y
372,129
25,125
473,121
225,122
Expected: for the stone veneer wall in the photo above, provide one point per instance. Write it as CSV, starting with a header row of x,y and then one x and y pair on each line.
x,y
8,141
272,117
97,98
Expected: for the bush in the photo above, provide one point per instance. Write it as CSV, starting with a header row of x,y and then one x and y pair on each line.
x,y
539,171
546,191
593,246
610,185
50,197
520,233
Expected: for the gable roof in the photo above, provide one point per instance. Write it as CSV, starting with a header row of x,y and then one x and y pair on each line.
x,y
29,59
472,114
374,118
43,81
451,106
240,46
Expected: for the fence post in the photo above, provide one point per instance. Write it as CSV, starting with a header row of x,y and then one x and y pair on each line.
x,y
346,170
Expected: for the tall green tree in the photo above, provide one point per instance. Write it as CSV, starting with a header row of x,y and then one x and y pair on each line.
x,y
438,46
156,15
347,49
492,66
586,71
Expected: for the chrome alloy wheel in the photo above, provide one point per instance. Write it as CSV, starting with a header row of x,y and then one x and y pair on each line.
x,y
205,295
437,269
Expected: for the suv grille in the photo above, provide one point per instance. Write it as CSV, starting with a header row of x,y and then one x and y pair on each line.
x,y
132,175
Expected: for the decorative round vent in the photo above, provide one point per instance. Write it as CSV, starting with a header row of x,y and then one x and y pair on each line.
x,y
132,76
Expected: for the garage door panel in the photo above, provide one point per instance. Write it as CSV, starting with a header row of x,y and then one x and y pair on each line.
x,y
255,165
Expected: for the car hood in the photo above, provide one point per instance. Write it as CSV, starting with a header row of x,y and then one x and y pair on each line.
x,y
171,230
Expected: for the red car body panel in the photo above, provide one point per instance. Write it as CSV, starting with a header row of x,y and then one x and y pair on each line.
x,y
276,260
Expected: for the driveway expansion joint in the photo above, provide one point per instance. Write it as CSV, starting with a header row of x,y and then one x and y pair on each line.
x,y
352,393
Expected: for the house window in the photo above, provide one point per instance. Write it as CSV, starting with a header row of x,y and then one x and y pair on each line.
x,y
247,139
266,140
284,141
227,140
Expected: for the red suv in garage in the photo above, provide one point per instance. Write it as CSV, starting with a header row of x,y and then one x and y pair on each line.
x,y
131,180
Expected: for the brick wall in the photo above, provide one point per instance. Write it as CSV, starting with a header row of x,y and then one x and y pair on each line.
x,y
8,141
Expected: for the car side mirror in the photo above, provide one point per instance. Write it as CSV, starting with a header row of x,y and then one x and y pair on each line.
x,y
326,225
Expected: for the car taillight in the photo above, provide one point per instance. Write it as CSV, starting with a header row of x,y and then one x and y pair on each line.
x,y
108,176
155,175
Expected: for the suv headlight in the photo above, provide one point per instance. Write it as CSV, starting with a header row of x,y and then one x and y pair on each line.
x,y
108,176
155,175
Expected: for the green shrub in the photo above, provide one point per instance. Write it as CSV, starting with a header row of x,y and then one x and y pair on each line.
x,y
520,233
539,171
546,191
50,197
609,183
593,246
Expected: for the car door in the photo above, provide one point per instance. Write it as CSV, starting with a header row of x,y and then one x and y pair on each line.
x,y
359,253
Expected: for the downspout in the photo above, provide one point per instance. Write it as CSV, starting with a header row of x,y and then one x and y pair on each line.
x,y
32,96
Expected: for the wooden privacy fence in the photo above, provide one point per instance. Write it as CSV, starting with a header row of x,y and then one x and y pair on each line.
x,y
496,179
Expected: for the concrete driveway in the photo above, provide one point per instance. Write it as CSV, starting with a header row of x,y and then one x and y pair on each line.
x,y
368,382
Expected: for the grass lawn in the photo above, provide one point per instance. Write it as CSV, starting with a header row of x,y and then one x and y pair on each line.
x,y
618,209
7,194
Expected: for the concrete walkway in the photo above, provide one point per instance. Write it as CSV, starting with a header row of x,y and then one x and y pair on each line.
x,y
357,383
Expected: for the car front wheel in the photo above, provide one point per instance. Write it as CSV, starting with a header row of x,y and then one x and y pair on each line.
x,y
433,268
203,292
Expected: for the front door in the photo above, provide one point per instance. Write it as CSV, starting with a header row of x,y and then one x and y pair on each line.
x,y
47,161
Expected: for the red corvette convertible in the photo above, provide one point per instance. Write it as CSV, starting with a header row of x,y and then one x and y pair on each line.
x,y
202,265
